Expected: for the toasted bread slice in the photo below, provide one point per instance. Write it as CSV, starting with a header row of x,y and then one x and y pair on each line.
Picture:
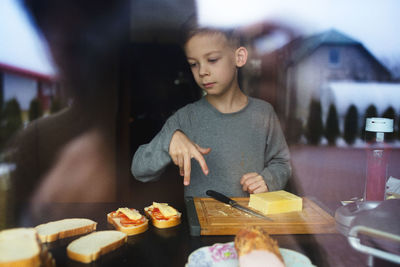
x,y
90,247
52,231
160,219
19,247
130,226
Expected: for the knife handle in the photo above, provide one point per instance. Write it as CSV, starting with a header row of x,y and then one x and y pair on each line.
x,y
220,197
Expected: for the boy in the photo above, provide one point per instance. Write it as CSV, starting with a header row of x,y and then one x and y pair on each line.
x,y
235,139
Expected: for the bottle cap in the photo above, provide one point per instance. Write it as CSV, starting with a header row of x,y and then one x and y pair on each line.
x,y
382,125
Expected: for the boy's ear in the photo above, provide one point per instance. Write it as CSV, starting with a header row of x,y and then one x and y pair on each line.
x,y
241,56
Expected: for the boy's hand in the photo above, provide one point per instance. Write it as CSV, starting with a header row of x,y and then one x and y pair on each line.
x,y
182,150
253,183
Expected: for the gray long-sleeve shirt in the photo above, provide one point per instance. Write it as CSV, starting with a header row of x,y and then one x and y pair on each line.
x,y
250,140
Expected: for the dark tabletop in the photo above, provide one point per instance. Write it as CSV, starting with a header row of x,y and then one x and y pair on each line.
x,y
171,247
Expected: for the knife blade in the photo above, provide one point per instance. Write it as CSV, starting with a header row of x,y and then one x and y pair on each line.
x,y
224,199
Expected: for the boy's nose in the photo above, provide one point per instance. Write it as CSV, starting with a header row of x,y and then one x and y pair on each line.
x,y
203,71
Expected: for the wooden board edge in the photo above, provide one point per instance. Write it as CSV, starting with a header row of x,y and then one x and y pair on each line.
x,y
320,210
224,231
193,220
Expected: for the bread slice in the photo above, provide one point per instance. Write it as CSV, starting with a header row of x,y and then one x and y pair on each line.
x,y
256,248
160,219
90,247
19,247
52,231
129,226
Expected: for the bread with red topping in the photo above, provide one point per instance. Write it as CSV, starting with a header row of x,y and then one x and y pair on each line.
x,y
129,221
162,215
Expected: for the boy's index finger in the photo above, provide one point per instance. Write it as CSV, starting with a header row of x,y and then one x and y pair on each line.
x,y
187,168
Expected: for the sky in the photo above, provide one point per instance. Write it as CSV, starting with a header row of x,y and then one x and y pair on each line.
x,y
21,45
375,23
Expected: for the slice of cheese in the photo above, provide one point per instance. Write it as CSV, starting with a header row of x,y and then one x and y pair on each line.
x,y
131,214
275,202
166,210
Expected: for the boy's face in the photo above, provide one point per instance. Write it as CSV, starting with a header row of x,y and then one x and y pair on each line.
x,y
213,62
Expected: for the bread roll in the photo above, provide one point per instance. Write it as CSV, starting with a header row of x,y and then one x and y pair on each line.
x,y
256,248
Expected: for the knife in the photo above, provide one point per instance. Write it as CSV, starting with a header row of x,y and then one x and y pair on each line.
x,y
224,199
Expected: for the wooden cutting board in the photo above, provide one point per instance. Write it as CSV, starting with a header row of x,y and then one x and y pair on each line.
x,y
210,217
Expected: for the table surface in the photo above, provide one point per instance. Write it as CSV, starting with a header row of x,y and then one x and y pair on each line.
x,y
171,247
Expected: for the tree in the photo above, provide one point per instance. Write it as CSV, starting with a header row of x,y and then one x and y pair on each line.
x,y
1,93
294,129
389,113
12,120
332,131
55,105
315,127
370,112
398,127
351,125
35,110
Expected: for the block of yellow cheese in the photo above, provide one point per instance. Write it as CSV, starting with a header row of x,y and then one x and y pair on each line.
x,y
275,202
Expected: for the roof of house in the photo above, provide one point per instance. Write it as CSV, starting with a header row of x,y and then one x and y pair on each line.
x,y
361,94
305,46
23,50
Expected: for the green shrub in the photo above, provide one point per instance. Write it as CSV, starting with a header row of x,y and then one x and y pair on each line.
x,y
35,110
389,113
315,127
332,131
351,125
12,120
294,129
398,127
55,105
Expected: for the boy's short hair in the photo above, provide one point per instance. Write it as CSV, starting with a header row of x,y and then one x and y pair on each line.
x,y
191,28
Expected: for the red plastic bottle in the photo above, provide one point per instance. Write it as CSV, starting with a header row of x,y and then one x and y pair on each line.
x,y
377,158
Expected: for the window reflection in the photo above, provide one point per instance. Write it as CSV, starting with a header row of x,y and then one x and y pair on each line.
x,y
334,56
122,76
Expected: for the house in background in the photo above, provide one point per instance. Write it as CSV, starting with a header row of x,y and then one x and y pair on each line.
x,y
25,86
26,69
309,64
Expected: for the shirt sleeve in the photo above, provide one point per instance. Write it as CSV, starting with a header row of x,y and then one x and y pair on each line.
x,y
277,156
150,160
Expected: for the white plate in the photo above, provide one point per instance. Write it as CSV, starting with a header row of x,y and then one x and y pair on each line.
x,y
224,255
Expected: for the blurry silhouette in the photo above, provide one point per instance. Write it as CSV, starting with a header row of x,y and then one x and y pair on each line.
x,y
153,100
70,155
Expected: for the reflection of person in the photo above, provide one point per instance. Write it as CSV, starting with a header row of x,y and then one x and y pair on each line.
x,y
70,156
236,139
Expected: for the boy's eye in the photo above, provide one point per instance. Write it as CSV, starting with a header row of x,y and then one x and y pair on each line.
x,y
212,60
